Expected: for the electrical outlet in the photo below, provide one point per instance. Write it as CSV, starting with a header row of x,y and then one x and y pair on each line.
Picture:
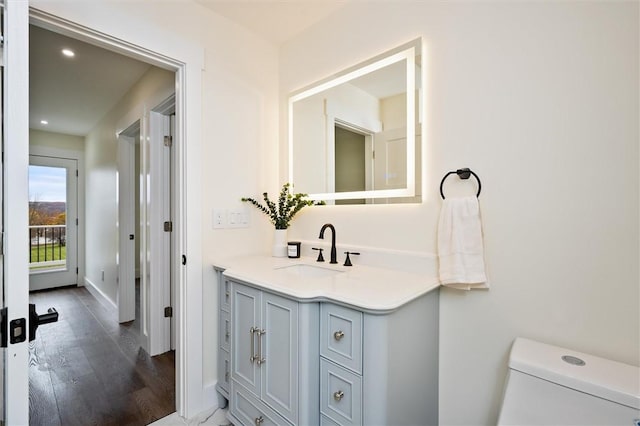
x,y
219,218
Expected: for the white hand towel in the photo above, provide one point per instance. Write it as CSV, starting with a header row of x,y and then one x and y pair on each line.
x,y
460,248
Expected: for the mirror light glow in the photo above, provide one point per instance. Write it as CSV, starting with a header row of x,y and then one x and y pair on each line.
x,y
407,55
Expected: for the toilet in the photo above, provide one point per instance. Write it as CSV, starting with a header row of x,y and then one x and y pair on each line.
x,y
548,385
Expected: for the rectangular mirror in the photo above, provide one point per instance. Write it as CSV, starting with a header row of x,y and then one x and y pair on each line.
x,y
355,138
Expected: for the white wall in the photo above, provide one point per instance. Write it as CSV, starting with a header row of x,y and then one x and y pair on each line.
x,y
101,180
541,100
55,140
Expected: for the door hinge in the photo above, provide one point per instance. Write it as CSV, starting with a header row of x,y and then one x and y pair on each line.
x,y
1,243
168,141
77,271
168,226
77,221
168,312
77,173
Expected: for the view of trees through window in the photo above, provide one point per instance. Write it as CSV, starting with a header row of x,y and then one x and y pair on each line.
x,y
47,216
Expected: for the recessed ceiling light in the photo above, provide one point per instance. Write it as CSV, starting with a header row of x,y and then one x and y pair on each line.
x,y
68,53
45,122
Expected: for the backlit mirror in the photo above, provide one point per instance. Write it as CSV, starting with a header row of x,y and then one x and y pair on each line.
x,y
355,138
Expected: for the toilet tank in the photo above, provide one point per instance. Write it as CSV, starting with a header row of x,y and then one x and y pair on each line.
x,y
548,385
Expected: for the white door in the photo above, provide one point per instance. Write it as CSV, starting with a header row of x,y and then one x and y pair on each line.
x,y
158,212
53,222
15,257
127,256
391,159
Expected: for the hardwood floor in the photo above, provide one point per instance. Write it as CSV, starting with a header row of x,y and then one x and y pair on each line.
x,y
87,369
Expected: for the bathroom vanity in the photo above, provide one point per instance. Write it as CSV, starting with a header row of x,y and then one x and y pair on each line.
x,y
302,343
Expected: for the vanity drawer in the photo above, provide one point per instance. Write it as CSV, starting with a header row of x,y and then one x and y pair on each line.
x,y
340,394
326,421
224,331
341,336
246,408
224,370
225,292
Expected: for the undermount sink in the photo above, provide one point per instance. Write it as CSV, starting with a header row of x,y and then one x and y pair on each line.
x,y
309,271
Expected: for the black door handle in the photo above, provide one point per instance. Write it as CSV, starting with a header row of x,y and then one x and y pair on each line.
x,y
36,320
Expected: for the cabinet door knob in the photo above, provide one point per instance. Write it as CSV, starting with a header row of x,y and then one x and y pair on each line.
x,y
338,395
258,421
338,335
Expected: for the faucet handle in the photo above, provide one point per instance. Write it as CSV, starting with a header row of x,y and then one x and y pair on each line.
x,y
320,257
347,261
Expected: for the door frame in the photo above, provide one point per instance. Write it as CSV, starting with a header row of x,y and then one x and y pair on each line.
x,y
167,50
15,204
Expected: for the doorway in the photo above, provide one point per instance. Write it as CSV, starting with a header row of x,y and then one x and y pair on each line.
x,y
53,222
145,226
90,320
187,61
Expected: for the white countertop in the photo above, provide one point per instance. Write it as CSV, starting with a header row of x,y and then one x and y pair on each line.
x,y
368,288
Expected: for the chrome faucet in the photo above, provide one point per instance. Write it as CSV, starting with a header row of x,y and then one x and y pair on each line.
x,y
333,240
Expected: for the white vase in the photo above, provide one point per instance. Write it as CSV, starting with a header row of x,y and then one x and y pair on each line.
x,y
279,243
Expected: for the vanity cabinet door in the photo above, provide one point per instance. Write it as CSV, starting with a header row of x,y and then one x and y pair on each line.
x,y
265,347
279,355
245,321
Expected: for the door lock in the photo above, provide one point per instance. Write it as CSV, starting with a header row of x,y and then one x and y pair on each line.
x,y
17,330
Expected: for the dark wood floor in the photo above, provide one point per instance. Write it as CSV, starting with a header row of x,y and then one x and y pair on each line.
x,y
87,369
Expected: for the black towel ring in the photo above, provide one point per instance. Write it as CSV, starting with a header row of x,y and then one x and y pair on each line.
x,y
462,174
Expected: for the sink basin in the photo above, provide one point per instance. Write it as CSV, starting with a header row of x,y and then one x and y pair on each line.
x,y
309,271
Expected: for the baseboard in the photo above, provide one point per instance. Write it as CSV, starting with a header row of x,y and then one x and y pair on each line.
x,y
98,294
210,396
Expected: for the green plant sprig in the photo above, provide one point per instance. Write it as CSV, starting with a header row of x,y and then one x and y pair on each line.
x,y
287,207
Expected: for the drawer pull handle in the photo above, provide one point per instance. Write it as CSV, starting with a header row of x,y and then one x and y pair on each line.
x,y
338,335
253,357
258,421
338,395
259,358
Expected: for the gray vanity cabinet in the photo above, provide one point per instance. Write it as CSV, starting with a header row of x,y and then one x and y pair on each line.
x,y
224,334
289,362
380,369
273,352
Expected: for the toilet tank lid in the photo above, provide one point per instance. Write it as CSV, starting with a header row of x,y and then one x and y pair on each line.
x,y
600,377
